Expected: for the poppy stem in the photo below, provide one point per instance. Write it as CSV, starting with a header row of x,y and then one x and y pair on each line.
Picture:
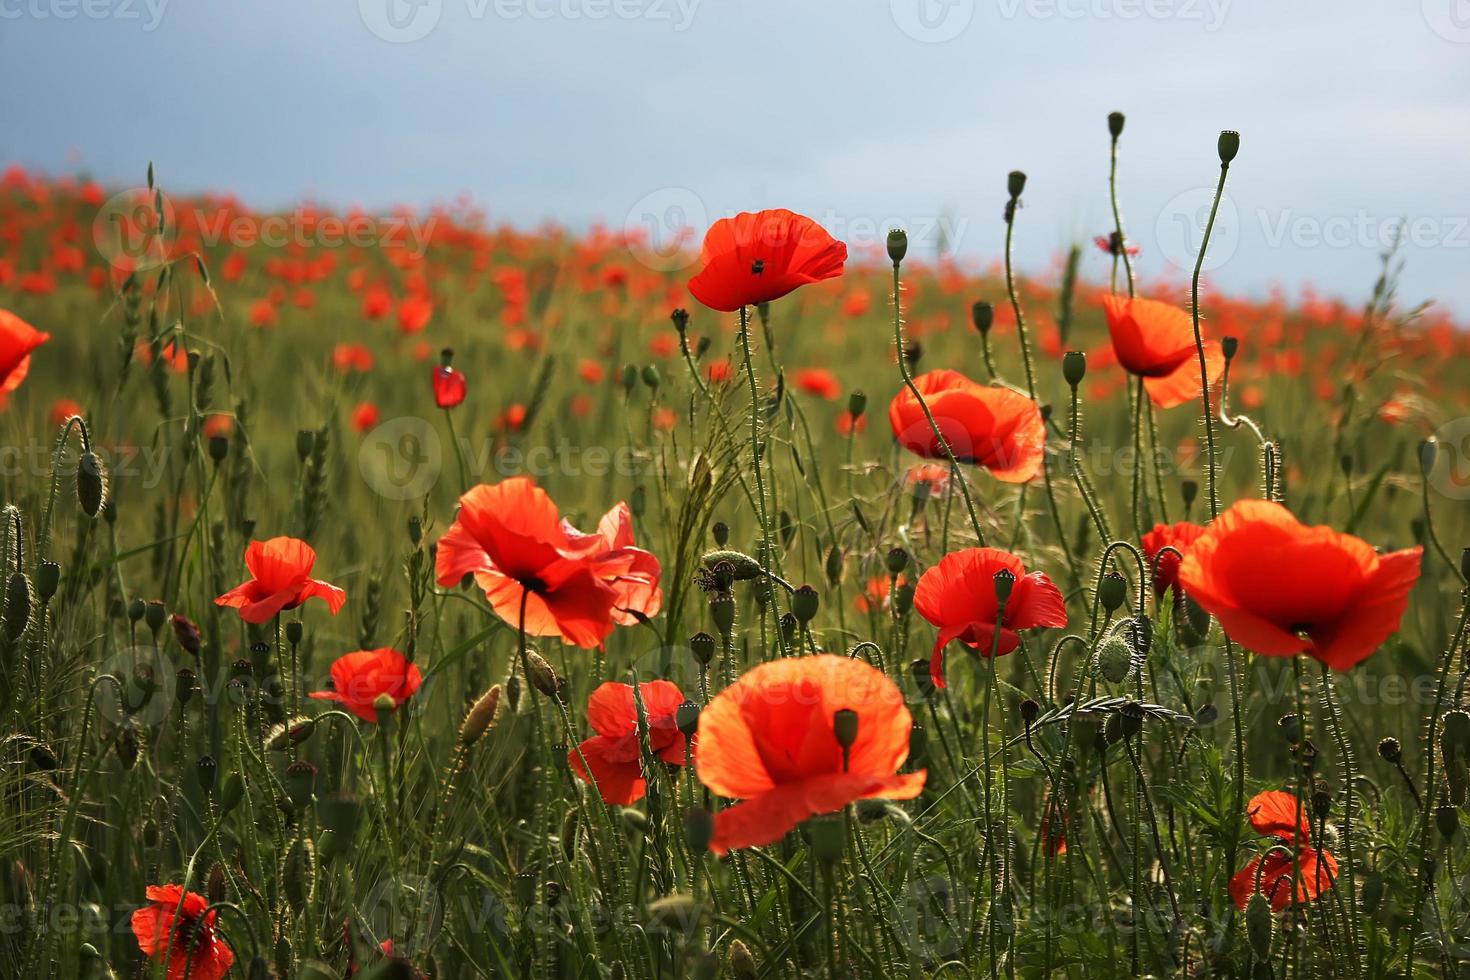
x,y
1010,216
464,474
767,555
1199,343
1118,216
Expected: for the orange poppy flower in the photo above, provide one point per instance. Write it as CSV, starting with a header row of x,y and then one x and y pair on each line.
x,y
819,382
358,679
365,416
614,753
769,740
511,538
1155,341
1279,587
1178,536
17,340
449,383
190,943
281,579
758,257
414,313
957,597
986,425
1280,816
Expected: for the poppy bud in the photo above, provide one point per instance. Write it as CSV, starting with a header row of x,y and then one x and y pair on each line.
x,y
1188,490
1259,924
787,528
48,579
630,378
1115,124
896,561
982,315
699,829
1030,709
898,245
702,645
1114,659
1454,735
481,717
857,404
299,874
1228,145
187,634
804,603
680,316
1191,622
205,770
232,791
1015,183
1112,591
91,483
1390,750
1074,367
542,675
1228,347
300,777
650,376
638,500
1005,581
912,351
732,566
742,964
686,717
834,565
17,605
1447,819
701,348
721,532
219,449
292,731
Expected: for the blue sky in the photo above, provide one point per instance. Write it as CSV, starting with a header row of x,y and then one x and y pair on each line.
x,y
1354,114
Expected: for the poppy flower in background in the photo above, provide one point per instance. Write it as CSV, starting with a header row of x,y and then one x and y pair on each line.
x,y
281,579
365,416
449,384
63,409
1280,587
957,597
17,340
1155,341
759,257
997,428
1178,536
186,936
1111,244
1282,817
511,538
819,382
769,741
614,753
360,678
414,313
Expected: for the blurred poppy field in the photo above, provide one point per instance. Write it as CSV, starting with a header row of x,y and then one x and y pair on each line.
x,y
414,595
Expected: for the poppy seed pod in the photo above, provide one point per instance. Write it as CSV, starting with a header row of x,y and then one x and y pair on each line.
x,y
187,634
48,579
896,561
1112,591
1030,709
1447,819
1229,346
1291,727
702,645
834,564
1115,124
155,614
219,449
686,718
1390,750
1005,582
1188,490
205,770
845,727
1228,146
91,483
857,404
898,245
804,604
680,316
300,778
982,315
185,685
721,532
722,611
1074,367
1015,183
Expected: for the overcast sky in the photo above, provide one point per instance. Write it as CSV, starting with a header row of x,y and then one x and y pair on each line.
x,y
1354,114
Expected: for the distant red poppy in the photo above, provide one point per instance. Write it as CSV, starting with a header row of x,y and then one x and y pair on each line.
x,y
360,678
376,303
185,936
1279,587
819,382
769,741
1178,536
957,597
17,340
1110,243
1282,817
414,313
63,409
1155,341
510,536
759,257
987,425
365,416
281,579
614,753
449,384
352,357
263,314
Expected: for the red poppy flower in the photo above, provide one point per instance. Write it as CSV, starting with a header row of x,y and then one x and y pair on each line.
x,y
17,340
359,678
414,313
819,382
957,597
510,536
63,409
449,384
1177,536
768,740
1280,816
1279,587
1155,341
986,425
758,257
1109,245
281,579
614,754
365,416
194,948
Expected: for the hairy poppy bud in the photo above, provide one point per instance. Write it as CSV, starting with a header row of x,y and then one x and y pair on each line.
x,y
232,791
91,483
185,685
187,634
542,675
1228,145
804,604
736,566
1115,124
1259,924
205,771
982,315
650,376
48,579
1372,892
1074,367
299,874
1428,452
1207,715
630,378
1114,659
1454,734
903,599
898,245
919,670
742,964
1112,591
481,717
1447,819
1015,183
